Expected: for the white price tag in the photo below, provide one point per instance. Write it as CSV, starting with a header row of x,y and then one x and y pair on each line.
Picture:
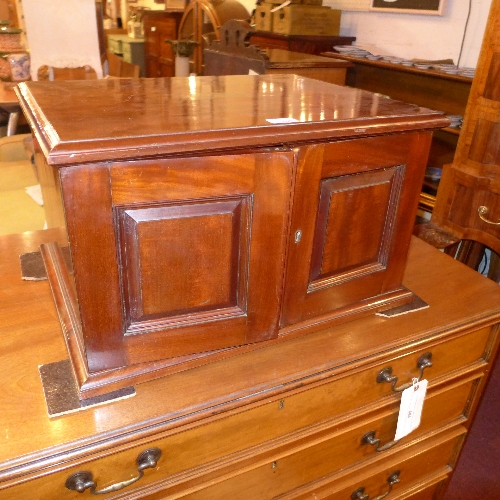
x,y
410,411
282,120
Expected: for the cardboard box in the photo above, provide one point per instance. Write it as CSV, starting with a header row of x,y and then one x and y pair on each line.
x,y
306,20
275,3
312,2
175,4
264,17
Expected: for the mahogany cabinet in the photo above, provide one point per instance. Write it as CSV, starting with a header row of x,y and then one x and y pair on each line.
x,y
207,215
308,44
158,27
307,418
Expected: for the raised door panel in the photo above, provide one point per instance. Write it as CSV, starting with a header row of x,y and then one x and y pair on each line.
x,y
202,247
191,252
352,207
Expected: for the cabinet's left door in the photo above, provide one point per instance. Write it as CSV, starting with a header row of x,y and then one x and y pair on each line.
x,y
177,256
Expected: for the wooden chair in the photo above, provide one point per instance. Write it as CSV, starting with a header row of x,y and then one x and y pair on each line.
x,y
468,199
114,64
201,21
232,54
128,70
118,68
52,73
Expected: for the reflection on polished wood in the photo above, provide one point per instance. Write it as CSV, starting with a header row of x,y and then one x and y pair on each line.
x,y
150,117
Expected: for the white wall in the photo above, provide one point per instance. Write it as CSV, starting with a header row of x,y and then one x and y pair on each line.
x,y
62,33
420,36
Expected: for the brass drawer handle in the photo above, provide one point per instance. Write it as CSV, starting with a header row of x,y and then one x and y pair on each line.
x,y
359,494
483,212
369,438
386,375
80,481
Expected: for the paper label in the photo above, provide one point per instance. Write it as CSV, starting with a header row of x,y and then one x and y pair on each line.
x,y
283,5
410,411
282,120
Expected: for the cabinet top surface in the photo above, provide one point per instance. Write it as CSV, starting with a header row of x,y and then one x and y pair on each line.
x,y
85,121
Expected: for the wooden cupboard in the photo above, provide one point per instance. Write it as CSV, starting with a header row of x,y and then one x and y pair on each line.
x,y
287,421
197,225
158,27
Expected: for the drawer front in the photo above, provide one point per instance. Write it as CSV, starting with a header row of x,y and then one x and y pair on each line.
x,y
412,464
480,219
323,450
424,492
318,405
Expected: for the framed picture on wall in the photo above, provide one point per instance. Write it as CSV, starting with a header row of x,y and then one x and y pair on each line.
x,y
433,7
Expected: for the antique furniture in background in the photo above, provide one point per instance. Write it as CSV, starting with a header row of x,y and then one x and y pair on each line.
x,y
285,421
130,49
232,55
426,87
465,219
299,43
119,68
468,200
201,21
184,199
79,73
158,27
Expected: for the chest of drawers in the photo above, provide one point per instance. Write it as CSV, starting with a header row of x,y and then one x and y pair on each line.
x,y
287,421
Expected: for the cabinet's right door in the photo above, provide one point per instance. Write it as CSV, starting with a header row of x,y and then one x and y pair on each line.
x,y
352,219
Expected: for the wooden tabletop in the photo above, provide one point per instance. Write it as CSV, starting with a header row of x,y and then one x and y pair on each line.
x,y
30,336
79,121
286,59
